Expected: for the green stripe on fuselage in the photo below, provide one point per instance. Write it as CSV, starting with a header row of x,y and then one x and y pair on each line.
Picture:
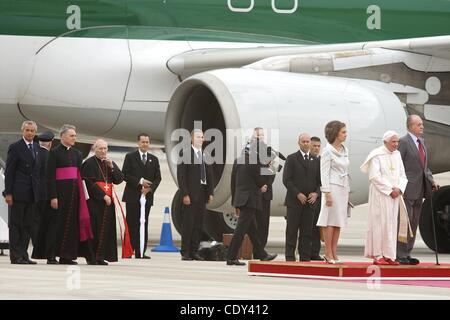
x,y
323,21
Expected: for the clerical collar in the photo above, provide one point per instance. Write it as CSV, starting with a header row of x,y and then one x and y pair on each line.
x,y
26,141
196,150
67,147
303,153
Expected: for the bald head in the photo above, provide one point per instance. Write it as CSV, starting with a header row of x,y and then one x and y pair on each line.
x,y
100,148
414,124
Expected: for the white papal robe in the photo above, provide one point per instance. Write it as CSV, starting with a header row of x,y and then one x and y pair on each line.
x,y
386,170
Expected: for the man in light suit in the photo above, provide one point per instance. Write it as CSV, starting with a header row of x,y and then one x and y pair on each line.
x,y
141,171
420,182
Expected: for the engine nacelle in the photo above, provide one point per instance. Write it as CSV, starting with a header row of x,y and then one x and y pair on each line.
x,y
286,105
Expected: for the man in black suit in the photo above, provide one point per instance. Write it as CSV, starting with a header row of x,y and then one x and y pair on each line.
x,y
142,176
263,217
196,183
247,186
301,176
21,187
43,247
314,151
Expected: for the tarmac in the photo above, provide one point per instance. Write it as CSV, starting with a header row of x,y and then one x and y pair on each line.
x,y
166,277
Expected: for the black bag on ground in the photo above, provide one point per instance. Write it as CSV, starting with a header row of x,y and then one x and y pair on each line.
x,y
213,251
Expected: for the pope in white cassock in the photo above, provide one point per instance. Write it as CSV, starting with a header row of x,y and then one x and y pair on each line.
x,y
387,183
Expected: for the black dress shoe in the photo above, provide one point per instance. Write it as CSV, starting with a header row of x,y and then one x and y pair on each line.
x,y
403,261
413,261
304,260
317,258
31,261
102,263
91,262
19,261
197,257
146,257
269,257
67,261
290,259
186,258
235,263
52,261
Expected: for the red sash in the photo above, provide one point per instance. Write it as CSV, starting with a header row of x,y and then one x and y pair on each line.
x,y
106,188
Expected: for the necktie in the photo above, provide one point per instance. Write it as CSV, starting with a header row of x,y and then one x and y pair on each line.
x,y
144,158
422,152
202,167
30,146
306,157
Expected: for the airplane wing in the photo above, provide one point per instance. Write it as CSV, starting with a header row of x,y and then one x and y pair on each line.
x,y
192,62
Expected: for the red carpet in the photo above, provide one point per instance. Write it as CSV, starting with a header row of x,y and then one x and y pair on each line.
x,y
355,271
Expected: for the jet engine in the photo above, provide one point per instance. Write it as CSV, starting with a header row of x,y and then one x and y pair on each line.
x,y
235,101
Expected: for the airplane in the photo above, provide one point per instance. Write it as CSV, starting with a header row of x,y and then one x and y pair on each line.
x,y
115,68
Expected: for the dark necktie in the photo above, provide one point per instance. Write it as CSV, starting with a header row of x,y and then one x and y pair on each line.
x,y
144,158
202,167
422,152
30,146
306,157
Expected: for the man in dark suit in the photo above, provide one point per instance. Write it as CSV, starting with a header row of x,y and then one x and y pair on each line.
x,y
263,217
196,183
247,186
301,176
420,182
142,176
21,187
314,151
44,248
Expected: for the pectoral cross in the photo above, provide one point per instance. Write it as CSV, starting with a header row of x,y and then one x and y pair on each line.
x,y
106,187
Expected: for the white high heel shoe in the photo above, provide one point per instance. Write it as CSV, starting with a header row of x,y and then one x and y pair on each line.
x,y
331,261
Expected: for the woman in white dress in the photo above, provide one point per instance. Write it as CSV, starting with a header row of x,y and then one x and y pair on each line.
x,y
335,188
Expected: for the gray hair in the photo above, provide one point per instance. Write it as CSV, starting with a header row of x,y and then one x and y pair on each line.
x,y
410,120
97,142
303,134
65,128
28,123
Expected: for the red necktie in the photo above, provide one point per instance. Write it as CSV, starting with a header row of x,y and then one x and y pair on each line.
x,y
422,152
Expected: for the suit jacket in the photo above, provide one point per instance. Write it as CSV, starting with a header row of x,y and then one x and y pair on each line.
x,y
21,173
188,177
300,176
133,170
419,177
246,183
